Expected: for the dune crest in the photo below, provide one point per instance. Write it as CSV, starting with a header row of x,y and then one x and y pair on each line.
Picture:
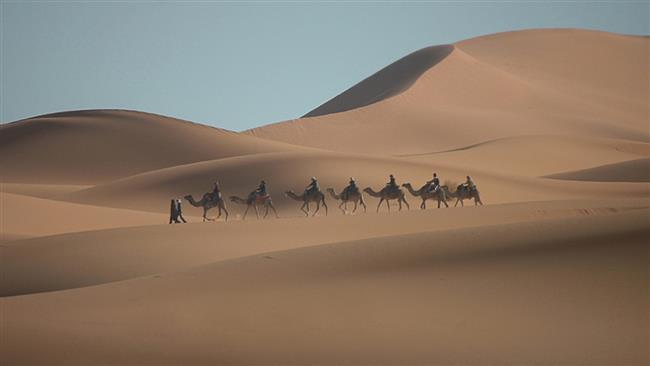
x,y
552,82
87,147
385,83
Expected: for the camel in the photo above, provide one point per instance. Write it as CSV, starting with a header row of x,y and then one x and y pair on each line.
x,y
345,197
387,194
425,193
207,202
254,200
463,193
314,196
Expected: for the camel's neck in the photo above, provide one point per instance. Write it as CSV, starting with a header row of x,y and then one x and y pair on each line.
x,y
192,202
334,194
239,200
295,196
371,192
413,191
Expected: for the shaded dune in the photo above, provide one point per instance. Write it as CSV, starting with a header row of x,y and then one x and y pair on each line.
x,y
151,191
240,175
637,170
385,83
31,216
544,154
94,257
408,299
86,147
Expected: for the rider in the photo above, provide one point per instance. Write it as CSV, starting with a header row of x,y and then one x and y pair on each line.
x,y
261,189
469,183
434,183
216,191
391,185
352,186
313,186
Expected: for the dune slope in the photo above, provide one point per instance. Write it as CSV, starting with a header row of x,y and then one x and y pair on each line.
x,y
385,83
534,82
521,293
95,257
628,171
87,147
24,216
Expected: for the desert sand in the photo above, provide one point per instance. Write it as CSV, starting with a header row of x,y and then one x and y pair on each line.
x,y
552,125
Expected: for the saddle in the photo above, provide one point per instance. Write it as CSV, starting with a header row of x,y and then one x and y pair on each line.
x,y
262,198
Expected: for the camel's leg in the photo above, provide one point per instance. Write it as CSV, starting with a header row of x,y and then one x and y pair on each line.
x,y
302,208
423,205
266,212
223,207
457,200
340,208
363,204
355,207
317,208
325,205
273,208
205,215
388,204
445,202
406,203
257,212
380,201
245,212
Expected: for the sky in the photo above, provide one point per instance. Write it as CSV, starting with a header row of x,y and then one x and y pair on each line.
x,y
239,65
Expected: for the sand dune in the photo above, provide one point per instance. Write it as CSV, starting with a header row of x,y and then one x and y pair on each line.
x,y
100,256
474,95
41,190
283,171
23,216
544,154
240,175
387,82
409,299
628,171
86,147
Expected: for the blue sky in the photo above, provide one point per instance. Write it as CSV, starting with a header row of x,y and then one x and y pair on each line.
x,y
240,65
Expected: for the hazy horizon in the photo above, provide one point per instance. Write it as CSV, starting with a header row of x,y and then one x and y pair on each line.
x,y
238,66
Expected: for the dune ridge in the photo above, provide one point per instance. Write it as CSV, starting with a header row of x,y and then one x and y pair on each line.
x,y
637,170
385,83
90,258
521,281
88,147
560,82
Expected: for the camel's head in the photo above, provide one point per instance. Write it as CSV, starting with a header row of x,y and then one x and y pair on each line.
x,y
187,197
407,184
287,193
367,189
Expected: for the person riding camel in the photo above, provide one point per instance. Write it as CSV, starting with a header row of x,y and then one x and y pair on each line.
x,y
392,185
469,184
313,186
216,191
352,186
434,184
261,190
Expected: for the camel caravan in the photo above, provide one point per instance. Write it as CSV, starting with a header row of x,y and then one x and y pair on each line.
x,y
351,194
